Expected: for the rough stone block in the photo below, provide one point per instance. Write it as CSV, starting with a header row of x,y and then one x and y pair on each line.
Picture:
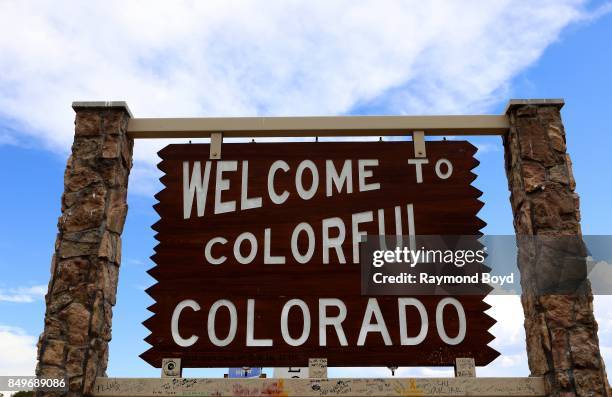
x,y
110,247
545,213
75,360
557,309
570,173
91,236
534,175
533,141
53,328
523,220
584,311
583,348
48,371
86,148
560,349
563,378
91,371
558,174
557,137
80,177
110,275
114,122
77,324
71,272
53,353
536,342
588,383
87,212
71,249
59,302
88,123
111,148
98,319
117,210
527,111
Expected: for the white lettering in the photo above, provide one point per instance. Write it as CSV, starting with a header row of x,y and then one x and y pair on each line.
x,y
336,322
212,334
208,251
363,174
449,169
174,323
379,326
311,242
440,321
405,339
222,207
358,218
268,258
253,243
303,193
335,242
247,203
285,322
250,337
196,186
345,177
418,163
276,198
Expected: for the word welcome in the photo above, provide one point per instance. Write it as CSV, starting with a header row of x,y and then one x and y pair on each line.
x,y
196,182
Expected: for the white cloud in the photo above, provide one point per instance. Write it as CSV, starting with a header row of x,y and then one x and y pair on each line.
x,y
23,294
603,315
17,352
267,57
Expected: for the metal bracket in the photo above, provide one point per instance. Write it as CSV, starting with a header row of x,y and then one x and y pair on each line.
x,y
216,138
171,368
317,368
465,368
418,139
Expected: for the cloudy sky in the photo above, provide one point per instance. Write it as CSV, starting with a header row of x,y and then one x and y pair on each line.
x,y
240,58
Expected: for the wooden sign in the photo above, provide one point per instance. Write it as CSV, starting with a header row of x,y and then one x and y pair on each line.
x,y
258,260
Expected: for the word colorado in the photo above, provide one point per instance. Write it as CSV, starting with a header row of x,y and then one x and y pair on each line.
x,y
372,322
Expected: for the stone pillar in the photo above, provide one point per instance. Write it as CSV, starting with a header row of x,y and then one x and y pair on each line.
x,y
85,265
561,330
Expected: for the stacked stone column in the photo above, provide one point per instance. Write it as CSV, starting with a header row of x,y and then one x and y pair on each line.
x,y
85,265
561,330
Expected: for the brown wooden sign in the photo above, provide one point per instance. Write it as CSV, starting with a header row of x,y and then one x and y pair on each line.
x,y
258,260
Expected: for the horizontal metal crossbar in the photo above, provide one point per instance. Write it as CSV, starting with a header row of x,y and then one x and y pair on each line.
x,y
261,127
374,387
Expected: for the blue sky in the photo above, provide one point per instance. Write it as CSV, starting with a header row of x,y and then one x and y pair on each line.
x,y
379,58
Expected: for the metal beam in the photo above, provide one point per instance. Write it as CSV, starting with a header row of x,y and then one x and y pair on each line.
x,y
259,127
339,387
